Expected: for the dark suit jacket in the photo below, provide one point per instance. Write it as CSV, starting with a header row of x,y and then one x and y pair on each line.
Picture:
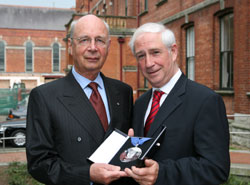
x,y
195,149
63,129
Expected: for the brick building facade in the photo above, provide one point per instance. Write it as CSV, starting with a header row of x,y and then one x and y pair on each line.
x,y
32,50
212,38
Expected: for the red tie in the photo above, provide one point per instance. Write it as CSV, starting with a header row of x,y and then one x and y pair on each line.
x,y
96,101
154,109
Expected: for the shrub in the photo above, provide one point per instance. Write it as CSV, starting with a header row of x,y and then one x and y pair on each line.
x,y
18,175
236,180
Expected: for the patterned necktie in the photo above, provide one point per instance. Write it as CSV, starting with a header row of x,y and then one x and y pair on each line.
x,y
96,101
154,109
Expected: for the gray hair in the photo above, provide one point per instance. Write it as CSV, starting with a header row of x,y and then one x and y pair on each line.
x,y
167,35
72,28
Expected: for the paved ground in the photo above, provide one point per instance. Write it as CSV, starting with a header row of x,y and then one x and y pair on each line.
x,y
8,155
240,157
240,160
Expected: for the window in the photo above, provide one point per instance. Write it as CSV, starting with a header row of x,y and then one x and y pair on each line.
x,y
190,49
226,52
29,57
2,56
126,7
143,6
56,57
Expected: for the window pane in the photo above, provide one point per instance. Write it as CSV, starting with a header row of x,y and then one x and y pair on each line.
x,y
227,33
227,70
29,56
55,57
126,7
191,68
190,49
226,51
2,53
143,5
190,42
225,74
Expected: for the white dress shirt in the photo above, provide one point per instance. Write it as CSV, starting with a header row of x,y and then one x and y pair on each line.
x,y
84,82
166,89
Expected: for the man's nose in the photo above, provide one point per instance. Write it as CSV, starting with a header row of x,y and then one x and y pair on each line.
x,y
149,61
92,45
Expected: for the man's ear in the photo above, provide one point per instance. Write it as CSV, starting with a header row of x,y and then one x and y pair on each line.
x,y
109,42
70,46
174,52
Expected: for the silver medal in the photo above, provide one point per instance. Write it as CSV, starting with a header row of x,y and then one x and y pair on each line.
x,y
130,154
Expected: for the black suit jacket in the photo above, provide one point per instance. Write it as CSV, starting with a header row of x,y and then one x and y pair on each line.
x,y
195,149
63,129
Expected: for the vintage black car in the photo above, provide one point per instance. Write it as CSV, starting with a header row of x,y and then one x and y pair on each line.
x,y
13,132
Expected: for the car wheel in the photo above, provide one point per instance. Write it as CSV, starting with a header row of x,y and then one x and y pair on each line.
x,y
19,141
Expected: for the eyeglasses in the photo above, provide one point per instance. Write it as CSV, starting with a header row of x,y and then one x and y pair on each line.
x,y
86,41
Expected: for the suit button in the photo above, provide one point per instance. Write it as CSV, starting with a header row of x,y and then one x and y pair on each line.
x,y
79,139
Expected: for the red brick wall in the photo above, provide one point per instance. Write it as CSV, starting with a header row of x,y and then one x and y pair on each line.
x,y
112,64
42,60
42,40
207,45
241,56
111,67
15,60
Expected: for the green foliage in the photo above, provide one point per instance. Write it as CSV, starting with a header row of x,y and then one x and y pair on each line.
x,y
235,180
18,175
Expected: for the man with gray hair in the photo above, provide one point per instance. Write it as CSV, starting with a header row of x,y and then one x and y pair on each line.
x,y
69,118
195,148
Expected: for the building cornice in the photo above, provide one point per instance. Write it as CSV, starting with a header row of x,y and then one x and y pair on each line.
x,y
190,10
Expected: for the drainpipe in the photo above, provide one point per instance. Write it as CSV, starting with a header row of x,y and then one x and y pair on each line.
x,y
138,13
88,6
121,40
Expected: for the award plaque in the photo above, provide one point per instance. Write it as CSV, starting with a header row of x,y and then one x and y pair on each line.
x,y
122,150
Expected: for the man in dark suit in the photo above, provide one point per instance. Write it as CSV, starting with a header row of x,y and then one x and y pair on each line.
x,y
63,128
195,148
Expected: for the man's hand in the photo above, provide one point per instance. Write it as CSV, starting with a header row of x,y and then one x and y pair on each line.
x,y
105,173
146,175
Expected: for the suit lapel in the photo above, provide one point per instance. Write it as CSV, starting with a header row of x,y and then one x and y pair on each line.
x,y
140,111
77,103
113,102
171,103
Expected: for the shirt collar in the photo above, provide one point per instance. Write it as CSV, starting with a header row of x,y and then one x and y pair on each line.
x,y
169,86
85,81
